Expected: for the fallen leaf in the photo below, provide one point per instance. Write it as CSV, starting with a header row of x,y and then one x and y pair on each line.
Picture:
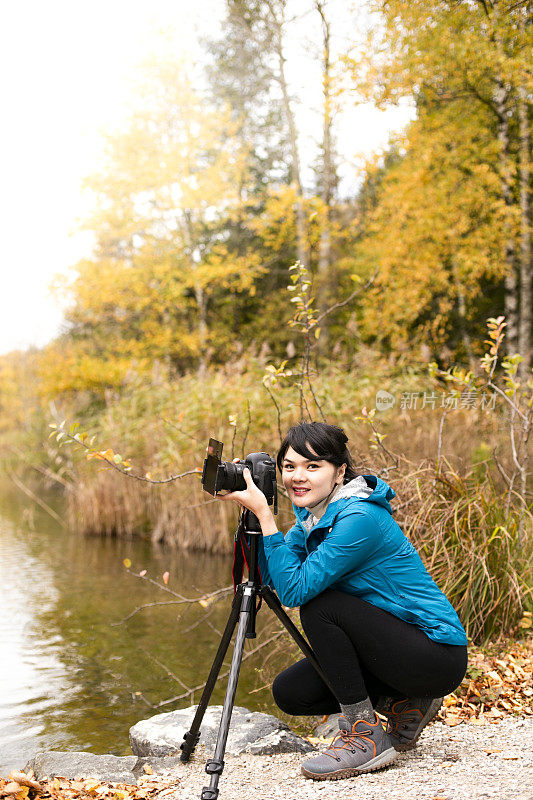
x,y
489,752
90,786
447,764
148,769
452,720
25,780
166,576
10,789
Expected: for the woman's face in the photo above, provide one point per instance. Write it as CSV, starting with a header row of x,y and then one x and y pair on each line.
x,y
309,482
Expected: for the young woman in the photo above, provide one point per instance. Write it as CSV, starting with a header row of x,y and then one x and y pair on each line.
x,y
385,635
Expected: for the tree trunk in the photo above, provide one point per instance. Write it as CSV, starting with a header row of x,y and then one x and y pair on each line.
x,y
296,178
524,331
199,296
202,327
324,254
511,284
461,309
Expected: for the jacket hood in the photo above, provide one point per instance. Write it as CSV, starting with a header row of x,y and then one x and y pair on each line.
x,y
365,488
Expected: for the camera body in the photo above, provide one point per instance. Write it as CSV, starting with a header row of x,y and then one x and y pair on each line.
x,y
221,475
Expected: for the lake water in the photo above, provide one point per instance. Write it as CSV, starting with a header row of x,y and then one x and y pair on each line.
x,y
71,678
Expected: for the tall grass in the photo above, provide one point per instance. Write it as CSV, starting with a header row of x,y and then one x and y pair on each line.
x,y
449,493
473,549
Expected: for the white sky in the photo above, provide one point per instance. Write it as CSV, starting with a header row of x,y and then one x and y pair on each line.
x,y
66,69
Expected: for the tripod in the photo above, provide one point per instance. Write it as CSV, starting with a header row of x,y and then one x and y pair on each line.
x,y
243,609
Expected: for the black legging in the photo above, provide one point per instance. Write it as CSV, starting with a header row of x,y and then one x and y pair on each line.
x,y
364,651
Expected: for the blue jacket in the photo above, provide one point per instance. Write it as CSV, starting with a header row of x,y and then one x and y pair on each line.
x,y
357,547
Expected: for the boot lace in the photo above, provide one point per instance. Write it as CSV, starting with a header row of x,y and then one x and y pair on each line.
x,y
399,720
348,740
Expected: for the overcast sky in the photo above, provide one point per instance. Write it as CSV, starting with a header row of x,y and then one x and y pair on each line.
x,y
66,75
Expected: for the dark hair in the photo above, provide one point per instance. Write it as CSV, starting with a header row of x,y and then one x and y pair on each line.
x,y
319,440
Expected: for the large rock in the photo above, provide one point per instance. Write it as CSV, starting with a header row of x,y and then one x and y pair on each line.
x,y
328,728
111,769
249,732
55,763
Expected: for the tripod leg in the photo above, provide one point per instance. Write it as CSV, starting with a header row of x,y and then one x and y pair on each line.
x,y
192,736
273,602
215,765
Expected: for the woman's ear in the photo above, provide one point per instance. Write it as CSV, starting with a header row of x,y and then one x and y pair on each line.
x,y
340,475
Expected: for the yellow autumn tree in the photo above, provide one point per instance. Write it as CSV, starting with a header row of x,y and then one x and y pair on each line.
x,y
446,227
170,181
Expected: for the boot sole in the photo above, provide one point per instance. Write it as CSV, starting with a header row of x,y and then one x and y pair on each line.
x,y
428,717
383,760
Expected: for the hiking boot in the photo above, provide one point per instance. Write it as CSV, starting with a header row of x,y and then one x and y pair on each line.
x,y
408,717
363,747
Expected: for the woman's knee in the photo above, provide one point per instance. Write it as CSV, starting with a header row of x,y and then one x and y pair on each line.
x,y
283,694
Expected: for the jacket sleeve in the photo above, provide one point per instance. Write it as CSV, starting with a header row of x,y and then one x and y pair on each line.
x,y
346,546
294,541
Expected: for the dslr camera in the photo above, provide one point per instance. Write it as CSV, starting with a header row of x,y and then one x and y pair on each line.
x,y
221,475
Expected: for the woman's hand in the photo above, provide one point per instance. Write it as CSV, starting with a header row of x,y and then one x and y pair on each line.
x,y
255,501
251,498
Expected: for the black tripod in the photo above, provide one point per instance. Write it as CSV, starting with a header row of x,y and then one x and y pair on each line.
x,y
243,609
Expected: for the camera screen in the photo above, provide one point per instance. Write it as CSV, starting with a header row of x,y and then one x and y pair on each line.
x,y
211,464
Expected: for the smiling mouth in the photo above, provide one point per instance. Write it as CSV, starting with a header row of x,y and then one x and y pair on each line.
x,y
299,490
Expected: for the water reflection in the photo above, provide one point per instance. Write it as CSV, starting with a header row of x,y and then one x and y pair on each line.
x,y
72,679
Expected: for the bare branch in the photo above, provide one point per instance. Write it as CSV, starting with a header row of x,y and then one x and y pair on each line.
x,y
166,669
180,430
247,427
200,686
342,303
507,399
500,468
127,473
278,411
36,499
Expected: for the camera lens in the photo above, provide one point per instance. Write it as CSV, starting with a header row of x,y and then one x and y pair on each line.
x,y
233,477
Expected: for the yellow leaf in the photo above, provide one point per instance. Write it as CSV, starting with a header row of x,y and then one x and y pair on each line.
x,y
91,786
452,719
127,563
166,576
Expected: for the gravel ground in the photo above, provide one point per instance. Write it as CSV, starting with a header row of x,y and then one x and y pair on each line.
x,y
460,763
